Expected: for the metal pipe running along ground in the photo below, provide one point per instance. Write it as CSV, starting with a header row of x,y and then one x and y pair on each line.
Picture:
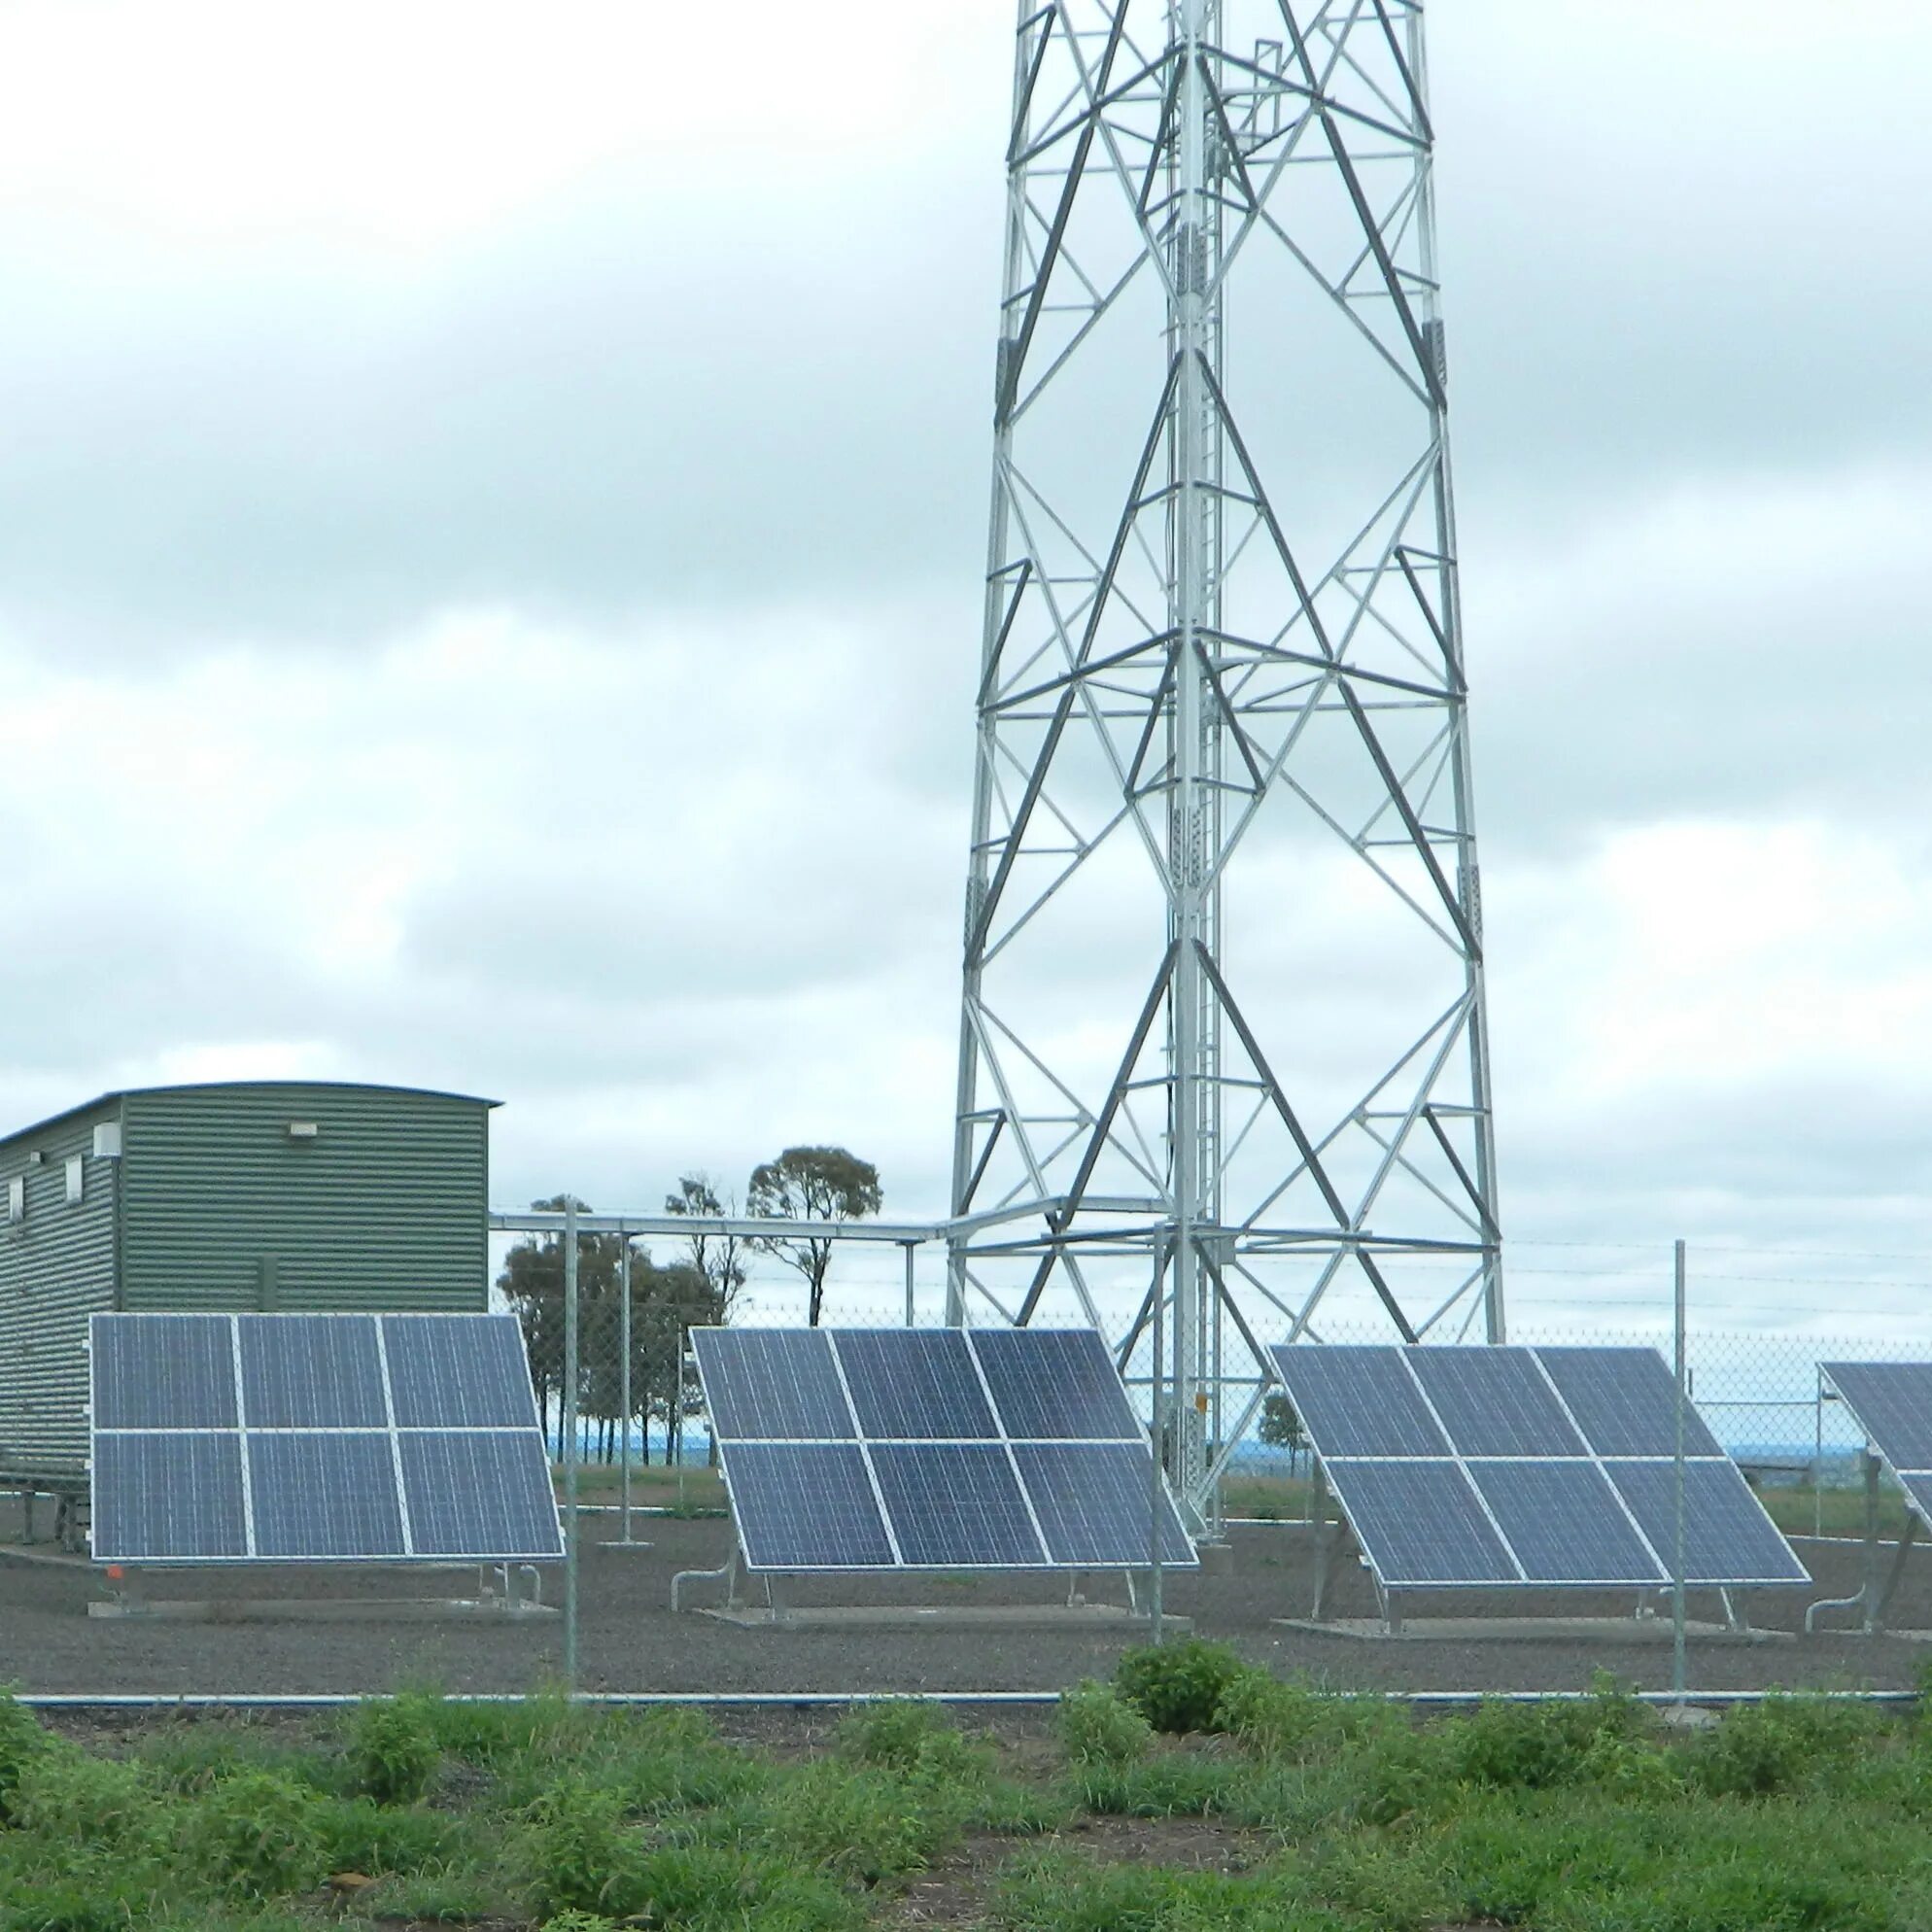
x,y
840,1700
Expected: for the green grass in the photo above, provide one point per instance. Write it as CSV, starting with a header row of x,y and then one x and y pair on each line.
x,y
1295,1808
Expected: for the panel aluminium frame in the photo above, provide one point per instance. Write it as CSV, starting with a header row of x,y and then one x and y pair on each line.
x,y
1472,1461
106,1332
1006,1444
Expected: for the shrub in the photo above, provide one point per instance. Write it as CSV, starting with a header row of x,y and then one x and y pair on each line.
x,y
1097,1727
392,1749
22,1742
1177,1687
862,1826
707,1888
68,1795
1782,1744
255,1834
907,1734
580,1856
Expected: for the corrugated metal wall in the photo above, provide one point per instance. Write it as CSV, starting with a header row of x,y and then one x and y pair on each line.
x,y
386,1207
56,1267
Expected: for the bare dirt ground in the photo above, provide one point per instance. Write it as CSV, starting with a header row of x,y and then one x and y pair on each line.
x,y
630,1640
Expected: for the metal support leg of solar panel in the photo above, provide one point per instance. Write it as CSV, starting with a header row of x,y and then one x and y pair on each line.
x,y
229,1443
1468,1471
884,1453
1891,1404
1222,778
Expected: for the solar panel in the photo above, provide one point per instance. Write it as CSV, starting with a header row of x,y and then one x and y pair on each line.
x,y
1625,1401
772,1384
168,1495
1728,1539
311,1371
975,1449
479,1493
1092,1501
324,1493
1893,1402
1514,1486
1495,1401
917,1383
1055,1384
1918,1488
315,1439
955,1506
1565,1522
457,1373
1359,1400
172,1371
1422,1521
805,1505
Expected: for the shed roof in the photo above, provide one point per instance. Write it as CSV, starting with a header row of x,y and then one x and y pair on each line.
x,y
240,1086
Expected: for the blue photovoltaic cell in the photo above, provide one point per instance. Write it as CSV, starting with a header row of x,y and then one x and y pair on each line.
x,y
458,1372
1893,1402
1565,1522
164,1372
805,1505
917,1382
1094,1503
1728,1539
319,1495
483,1494
1420,1523
1625,1401
311,1371
1493,1401
1056,1384
165,1496
955,1506
777,1384
1359,1400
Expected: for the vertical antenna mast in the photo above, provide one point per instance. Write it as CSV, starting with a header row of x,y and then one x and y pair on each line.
x,y
1222,977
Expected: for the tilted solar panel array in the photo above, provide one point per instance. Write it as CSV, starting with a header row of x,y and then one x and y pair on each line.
x,y
931,1449
1891,1401
1479,1466
365,1439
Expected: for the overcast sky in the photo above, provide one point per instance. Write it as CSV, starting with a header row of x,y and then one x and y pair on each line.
x,y
491,504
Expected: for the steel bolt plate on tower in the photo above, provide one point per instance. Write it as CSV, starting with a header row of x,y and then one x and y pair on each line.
x,y
1223,1026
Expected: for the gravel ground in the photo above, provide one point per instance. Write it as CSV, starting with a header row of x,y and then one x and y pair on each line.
x,y
630,1642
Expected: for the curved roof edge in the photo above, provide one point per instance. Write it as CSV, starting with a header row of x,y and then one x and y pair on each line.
x,y
241,1086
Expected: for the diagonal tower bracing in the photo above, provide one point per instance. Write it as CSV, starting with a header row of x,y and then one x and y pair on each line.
x,y
1223,1038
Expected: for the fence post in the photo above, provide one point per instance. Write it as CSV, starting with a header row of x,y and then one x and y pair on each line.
x,y
624,1379
571,1372
1677,1554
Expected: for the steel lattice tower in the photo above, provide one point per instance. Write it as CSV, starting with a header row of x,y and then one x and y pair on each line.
x,y
1223,1036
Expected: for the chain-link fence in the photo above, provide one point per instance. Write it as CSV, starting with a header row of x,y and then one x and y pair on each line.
x,y
1758,1389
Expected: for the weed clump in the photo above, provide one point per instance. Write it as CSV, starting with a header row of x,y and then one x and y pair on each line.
x,y
22,1742
1177,1687
1785,1744
906,1735
392,1749
256,1833
1099,1726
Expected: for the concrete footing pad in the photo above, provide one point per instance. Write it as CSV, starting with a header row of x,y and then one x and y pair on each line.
x,y
1530,1630
977,1616
329,1610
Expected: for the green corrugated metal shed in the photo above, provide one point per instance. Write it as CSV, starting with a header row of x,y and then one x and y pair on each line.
x,y
273,1194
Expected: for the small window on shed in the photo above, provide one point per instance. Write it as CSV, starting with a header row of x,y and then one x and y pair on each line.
x,y
16,1198
77,1179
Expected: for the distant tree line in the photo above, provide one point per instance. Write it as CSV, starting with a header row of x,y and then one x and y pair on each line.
x,y
697,1287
